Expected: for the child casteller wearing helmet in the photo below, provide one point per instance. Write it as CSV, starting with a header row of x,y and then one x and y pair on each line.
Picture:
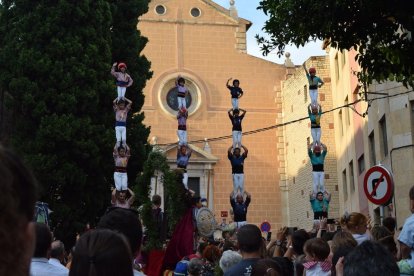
x,y
315,113
314,83
123,79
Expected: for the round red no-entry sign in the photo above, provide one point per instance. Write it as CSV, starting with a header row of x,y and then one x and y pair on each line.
x,y
378,185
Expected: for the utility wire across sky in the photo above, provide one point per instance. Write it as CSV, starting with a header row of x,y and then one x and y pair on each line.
x,y
349,105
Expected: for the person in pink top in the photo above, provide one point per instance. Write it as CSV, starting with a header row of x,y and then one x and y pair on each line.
x,y
119,198
121,156
182,126
121,110
123,79
182,92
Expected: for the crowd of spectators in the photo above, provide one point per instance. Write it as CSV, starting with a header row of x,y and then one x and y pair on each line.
x,y
348,247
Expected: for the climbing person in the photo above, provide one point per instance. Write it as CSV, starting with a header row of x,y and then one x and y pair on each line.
x,y
183,157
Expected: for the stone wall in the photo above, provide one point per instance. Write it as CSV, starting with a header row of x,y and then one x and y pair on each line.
x,y
296,164
208,50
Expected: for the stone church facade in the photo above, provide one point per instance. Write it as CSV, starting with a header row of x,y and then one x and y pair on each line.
x,y
206,44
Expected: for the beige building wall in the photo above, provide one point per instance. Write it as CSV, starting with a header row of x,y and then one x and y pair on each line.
x,y
391,122
384,136
206,51
349,129
297,180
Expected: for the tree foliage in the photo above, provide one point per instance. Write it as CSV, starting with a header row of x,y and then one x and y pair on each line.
x,y
55,58
381,32
127,44
174,196
54,66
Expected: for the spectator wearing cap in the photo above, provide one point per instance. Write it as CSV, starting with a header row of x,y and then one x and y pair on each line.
x,y
181,269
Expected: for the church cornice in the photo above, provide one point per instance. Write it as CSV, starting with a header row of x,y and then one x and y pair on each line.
x,y
190,22
226,12
237,21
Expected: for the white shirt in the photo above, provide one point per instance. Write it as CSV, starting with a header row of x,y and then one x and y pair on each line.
x,y
360,238
41,267
57,263
407,236
317,271
137,273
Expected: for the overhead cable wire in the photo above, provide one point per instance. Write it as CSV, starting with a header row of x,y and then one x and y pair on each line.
x,y
349,105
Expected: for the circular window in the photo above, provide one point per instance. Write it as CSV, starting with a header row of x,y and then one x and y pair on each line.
x,y
195,12
172,100
167,96
160,9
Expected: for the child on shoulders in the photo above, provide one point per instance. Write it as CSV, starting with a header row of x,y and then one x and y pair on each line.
x,y
123,79
314,83
316,254
236,92
182,92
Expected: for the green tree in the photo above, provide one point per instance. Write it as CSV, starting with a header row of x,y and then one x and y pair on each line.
x,y
54,61
381,32
175,196
127,44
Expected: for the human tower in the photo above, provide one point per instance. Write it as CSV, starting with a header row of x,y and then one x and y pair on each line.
x,y
317,151
121,151
237,152
236,116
